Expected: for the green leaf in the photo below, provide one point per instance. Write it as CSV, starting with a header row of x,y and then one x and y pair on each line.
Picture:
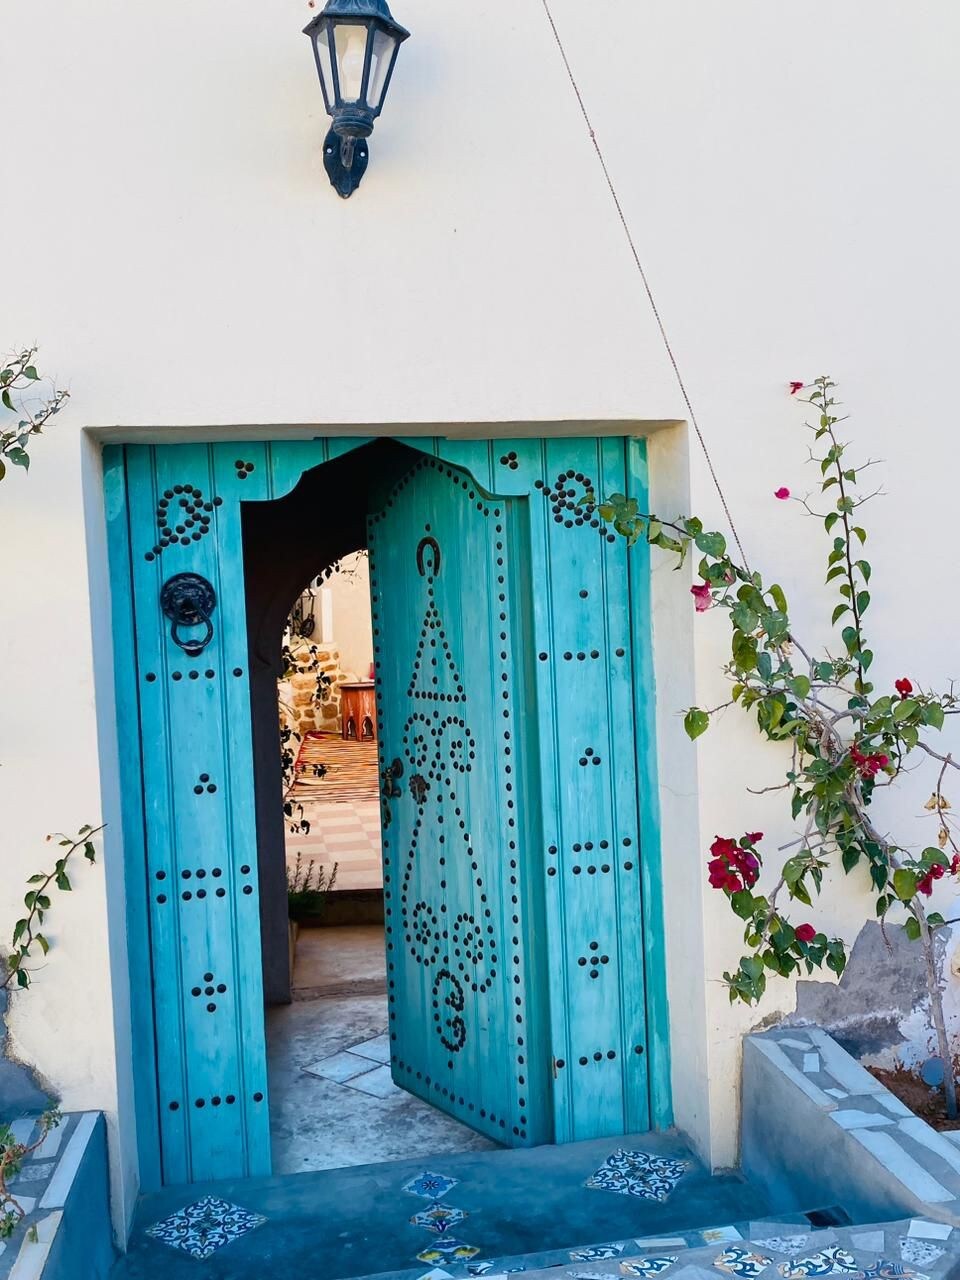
x,y
838,612
742,904
696,722
861,534
19,458
744,617
904,884
5,397
711,544
43,943
89,852
779,599
933,715
800,686
31,373
903,710
912,928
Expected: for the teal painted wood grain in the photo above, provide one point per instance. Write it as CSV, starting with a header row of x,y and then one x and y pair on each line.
x,y
644,692
143,1035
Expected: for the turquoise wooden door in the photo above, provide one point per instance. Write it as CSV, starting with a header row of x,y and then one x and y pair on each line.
x,y
199,848
463,871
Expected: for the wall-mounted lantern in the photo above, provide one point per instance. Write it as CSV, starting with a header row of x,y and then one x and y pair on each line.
x,y
355,43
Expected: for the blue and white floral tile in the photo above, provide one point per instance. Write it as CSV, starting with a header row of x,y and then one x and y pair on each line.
x,y
920,1253
884,1270
596,1252
828,1262
647,1268
783,1244
485,1268
438,1218
636,1173
430,1186
448,1250
202,1228
745,1263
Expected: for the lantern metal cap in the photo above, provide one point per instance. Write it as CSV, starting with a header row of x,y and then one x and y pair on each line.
x,y
358,9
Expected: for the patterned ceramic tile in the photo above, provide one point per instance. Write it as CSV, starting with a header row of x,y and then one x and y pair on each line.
x,y
438,1218
596,1252
742,1262
205,1226
436,1274
828,1262
884,1270
479,1268
647,1268
593,1275
636,1173
721,1235
431,1186
448,1250
921,1253
783,1244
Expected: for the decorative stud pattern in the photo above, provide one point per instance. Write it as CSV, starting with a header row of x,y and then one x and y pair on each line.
x,y
243,469
573,502
510,460
209,988
184,515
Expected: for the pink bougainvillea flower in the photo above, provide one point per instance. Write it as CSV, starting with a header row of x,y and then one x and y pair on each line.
x,y
903,687
795,387
925,883
782,493
955,865
868,766
805,932
702,598
754,837
732,868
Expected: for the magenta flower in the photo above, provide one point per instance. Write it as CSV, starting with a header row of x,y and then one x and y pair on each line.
x,y
782,493
795,387
702,598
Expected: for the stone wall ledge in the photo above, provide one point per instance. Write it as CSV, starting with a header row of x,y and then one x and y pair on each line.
x,y
63,1186
816,1126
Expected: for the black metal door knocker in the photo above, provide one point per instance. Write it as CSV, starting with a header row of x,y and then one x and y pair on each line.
x,y
188,601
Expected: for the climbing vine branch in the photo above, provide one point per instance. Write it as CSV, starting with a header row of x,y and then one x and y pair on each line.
x,y
846,738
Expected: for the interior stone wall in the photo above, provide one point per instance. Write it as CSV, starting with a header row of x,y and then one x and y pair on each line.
x,y
300,706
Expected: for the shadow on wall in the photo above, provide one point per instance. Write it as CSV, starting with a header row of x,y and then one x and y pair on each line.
x,y
21,1093
879,1010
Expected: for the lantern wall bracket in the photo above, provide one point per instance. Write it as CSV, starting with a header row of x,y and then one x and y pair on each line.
x,y
345,160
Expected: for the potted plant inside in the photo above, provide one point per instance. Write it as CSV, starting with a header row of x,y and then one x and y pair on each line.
x,y
307,889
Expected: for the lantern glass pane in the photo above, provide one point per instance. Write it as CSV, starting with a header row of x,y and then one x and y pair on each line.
x,y
325,64
351,43
383,47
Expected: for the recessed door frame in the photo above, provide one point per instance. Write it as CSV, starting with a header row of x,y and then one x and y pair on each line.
x,y
507,468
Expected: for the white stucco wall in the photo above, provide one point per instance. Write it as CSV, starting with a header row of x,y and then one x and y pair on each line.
x,y
171,239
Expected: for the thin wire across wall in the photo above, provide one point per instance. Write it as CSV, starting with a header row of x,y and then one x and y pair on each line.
x,y
643,276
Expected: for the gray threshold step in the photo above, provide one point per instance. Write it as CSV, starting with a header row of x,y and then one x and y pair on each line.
x,y
361,1221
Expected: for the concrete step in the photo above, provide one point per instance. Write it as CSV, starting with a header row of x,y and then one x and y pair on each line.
x,y
822,1242
650,1251
535,1205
